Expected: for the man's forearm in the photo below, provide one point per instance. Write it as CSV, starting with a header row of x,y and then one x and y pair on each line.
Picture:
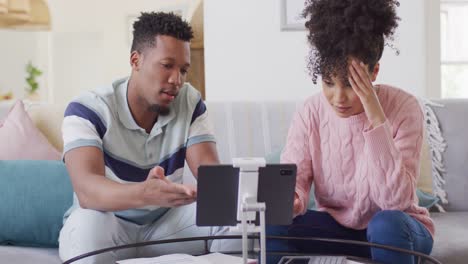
x,y
100,193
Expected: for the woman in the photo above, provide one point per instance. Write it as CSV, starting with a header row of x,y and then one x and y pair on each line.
x,y
359,144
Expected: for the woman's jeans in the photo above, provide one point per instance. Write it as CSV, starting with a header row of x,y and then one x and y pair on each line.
x,y
392,228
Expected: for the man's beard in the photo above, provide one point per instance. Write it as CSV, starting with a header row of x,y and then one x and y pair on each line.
x,y
162,111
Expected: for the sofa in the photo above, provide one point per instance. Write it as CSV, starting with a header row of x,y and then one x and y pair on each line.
x,y
260,128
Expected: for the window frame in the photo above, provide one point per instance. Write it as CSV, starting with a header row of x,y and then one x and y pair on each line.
x,y
452,62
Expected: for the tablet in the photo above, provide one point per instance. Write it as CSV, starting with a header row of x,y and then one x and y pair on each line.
x,y
218,190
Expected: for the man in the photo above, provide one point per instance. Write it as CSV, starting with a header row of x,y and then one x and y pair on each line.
x,y
125,147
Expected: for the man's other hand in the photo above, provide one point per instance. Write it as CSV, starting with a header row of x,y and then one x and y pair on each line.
x,y
158,190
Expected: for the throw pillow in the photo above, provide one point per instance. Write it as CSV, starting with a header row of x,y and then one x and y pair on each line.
x,y
436,141
20,139
34,196
48,119
426,200
425,167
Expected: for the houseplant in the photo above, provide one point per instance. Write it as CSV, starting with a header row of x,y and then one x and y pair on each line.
x,y
33,86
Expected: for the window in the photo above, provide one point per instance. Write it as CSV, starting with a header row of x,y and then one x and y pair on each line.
x,y
454,48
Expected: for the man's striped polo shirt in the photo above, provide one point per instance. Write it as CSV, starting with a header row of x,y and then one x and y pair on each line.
x,y
103,119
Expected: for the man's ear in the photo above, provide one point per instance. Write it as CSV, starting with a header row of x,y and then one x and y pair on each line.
x,y
375,72
135,60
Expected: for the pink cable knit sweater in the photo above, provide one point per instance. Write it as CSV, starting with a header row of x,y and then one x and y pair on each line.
x,y
359,171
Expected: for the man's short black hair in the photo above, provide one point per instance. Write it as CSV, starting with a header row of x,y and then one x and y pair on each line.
x,y
150,25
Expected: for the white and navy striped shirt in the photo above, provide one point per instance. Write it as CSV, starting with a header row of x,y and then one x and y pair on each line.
x,y
103,119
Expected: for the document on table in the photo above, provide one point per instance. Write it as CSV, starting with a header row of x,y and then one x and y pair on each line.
x,y
167,259
213,258
217,258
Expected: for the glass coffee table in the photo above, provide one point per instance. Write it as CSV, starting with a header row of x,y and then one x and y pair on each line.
x,y
421,258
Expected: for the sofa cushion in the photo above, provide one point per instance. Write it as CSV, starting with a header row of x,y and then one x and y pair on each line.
x,y
34,195
20,139
28,255
451,237
455,157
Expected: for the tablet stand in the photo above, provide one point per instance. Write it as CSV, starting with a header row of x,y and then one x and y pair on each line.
x,y
248,205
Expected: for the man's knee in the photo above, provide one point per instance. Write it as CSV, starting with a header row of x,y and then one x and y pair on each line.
x,y
87,223
93,217
86,230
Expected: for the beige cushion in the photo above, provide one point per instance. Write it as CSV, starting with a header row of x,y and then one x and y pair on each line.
x,y
48,119
425,178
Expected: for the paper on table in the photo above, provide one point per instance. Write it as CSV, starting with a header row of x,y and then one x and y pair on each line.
x,y
167,259
320,259
349,261
217,258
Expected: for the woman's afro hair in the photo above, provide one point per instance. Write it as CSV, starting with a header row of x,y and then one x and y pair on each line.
x,y
339,29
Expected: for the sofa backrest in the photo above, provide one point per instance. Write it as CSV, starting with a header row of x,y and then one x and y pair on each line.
x,y
256,129
250,129
241,128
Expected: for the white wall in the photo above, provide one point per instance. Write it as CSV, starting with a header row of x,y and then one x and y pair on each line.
x,y
17,48
247,57
408,70
89,46
91,41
